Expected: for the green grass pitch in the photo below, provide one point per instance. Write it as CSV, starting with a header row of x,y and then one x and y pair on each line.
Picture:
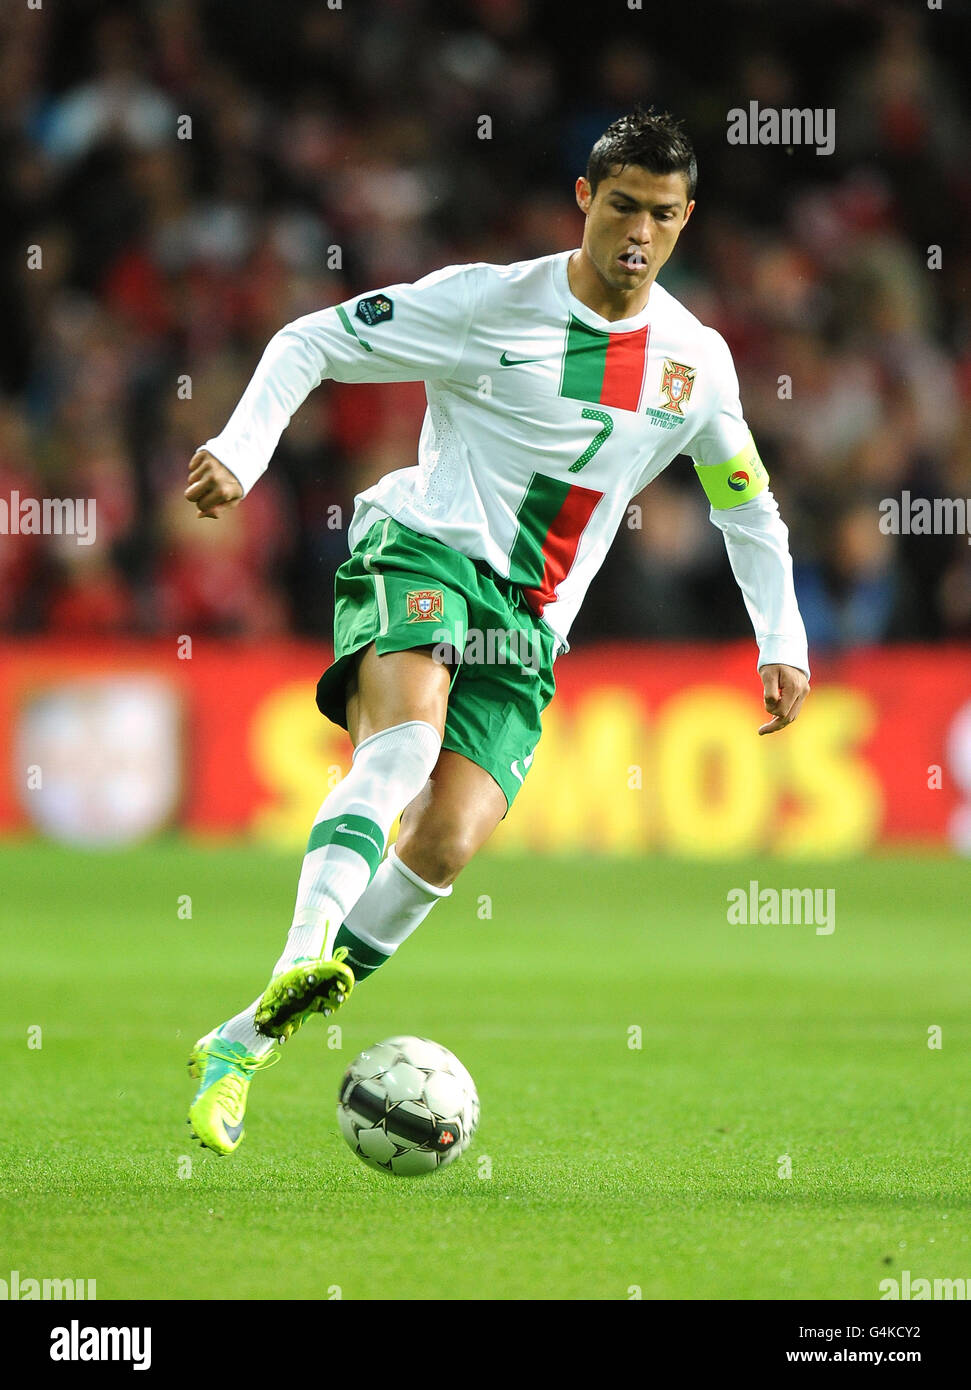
x,y
600,1169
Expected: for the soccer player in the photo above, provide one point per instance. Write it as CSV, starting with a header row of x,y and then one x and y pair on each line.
x,y
557,389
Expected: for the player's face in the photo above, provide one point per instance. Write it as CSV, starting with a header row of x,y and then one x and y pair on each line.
x,y
633,224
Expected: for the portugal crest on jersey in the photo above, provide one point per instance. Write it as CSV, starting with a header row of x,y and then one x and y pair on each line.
x,y
676,384
425,605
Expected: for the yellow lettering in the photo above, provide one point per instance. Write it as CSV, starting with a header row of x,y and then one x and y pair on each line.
x,y
576,793
837,800
714,796
293,749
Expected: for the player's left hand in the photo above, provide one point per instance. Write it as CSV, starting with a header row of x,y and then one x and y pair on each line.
x,y
785,689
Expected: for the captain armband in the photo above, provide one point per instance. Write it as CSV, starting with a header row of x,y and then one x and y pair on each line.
x,y
738,480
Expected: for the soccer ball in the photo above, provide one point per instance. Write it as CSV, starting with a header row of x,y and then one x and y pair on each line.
x,y
407,1106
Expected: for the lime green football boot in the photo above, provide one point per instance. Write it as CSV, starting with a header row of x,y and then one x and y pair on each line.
x,y
308,987
224,1071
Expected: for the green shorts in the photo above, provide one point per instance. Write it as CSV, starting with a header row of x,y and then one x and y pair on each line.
x,y
400,590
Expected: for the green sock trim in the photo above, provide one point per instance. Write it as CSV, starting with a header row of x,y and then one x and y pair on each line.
x,y
352,832
362,959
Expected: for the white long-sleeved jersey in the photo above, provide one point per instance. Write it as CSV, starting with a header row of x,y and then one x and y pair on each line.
x,y
543,420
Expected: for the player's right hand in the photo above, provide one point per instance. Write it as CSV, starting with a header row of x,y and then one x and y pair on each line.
x,y
212,488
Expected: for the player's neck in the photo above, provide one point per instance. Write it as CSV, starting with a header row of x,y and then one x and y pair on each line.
x,y
587,285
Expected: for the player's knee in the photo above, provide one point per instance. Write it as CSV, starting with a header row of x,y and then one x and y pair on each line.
x,y
437,856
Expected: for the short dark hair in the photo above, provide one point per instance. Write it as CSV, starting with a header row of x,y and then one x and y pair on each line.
x,y
657,143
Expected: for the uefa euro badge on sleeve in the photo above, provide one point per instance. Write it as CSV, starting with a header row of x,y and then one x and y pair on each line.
x,y
376,308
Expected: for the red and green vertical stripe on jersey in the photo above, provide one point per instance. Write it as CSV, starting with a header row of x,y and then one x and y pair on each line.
x,y
608,368
552,517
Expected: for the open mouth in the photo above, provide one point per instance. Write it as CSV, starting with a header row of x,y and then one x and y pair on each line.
x,y
632,259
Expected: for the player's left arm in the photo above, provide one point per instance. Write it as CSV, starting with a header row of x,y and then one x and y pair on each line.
x,y
757,541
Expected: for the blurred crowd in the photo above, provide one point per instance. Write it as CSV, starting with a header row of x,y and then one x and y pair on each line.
x,y
334,148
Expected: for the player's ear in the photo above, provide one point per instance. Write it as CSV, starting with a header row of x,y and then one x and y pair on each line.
x,y
584,194
687,212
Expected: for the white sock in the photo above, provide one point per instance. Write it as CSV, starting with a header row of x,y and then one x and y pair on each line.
x,y
395,902
242,1029
347,841
388,770
393,905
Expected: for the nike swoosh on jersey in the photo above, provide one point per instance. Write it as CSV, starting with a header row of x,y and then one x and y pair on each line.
x,y
505,361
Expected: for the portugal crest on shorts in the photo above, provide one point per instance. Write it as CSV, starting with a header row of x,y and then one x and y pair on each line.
x,y
676,384
425,605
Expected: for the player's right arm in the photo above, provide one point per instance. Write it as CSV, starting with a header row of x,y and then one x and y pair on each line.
x,y
402,333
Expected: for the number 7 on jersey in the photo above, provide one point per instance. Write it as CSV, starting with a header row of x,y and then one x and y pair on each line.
x,y
598,440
